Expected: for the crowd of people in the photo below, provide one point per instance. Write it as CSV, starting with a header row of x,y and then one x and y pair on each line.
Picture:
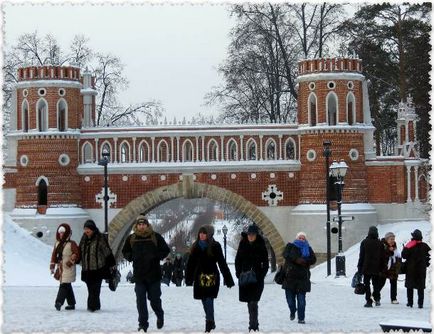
x,y
379,261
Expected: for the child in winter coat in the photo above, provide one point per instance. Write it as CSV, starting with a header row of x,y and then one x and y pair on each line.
x,y
65,255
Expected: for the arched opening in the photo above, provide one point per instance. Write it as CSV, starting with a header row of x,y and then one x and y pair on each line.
x,y
312,111
87,153
332,109
212,150
163,152
270,150
251,150
351,110
187,152
42,192
62,115
42,115
144,152
290,153
122,223
25,116
124,153
232,150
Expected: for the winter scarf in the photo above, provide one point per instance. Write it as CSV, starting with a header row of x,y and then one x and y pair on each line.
x,y
393,258
412,243
147,234
303,246
202,244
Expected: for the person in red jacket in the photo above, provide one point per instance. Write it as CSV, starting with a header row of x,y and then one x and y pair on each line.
x,y
417,258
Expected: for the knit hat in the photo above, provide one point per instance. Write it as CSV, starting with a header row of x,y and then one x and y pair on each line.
x,y
142,219
300,234
207,229
252,229
90,224
417,235
388,235
373,231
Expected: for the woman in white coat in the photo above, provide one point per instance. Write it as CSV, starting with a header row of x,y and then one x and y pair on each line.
x,y
63,260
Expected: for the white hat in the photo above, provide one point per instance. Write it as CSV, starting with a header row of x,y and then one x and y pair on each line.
x,y
61,229
299,234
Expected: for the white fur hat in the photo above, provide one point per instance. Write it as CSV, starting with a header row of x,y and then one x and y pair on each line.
x,y
61,229
299,234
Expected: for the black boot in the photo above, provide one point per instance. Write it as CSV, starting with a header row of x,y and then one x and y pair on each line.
x,y
209,326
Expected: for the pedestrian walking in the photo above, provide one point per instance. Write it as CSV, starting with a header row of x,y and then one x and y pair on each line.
x,y
146,248
393,259
97,261
203,274
166,271
65,255
416,254
372,264
252,254
298,256
178,270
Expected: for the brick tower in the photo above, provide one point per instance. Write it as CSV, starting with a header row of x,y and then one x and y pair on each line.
x,y
332,105
52,103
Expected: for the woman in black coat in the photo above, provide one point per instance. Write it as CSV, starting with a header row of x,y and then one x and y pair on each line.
x,y
202,271
417,258
299,256
252,254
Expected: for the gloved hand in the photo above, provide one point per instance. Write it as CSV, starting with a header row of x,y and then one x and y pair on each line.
x,y
69,264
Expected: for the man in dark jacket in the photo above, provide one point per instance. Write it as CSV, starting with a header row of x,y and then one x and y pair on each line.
x,y
417,258
372,264
146,249
252,255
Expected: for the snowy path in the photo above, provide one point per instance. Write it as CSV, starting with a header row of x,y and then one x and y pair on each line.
x,y
329,308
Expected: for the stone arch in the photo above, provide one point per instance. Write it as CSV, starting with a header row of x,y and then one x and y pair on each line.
x,y
122,223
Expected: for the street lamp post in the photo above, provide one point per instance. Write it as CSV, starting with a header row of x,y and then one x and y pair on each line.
x,y
104,162
225,232
327,153
338,170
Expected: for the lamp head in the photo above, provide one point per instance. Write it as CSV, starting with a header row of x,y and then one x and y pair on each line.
x,y
105,153
338,169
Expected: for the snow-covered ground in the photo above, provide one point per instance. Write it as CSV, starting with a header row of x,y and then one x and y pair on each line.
x,y
29,292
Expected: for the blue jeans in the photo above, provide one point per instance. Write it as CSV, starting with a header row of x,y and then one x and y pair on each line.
x,y
301,302
208,306
153,292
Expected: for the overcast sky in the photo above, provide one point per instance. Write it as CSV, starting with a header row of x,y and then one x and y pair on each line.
x,y
170,51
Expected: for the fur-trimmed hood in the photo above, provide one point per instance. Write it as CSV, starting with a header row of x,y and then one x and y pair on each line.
x,y
67,234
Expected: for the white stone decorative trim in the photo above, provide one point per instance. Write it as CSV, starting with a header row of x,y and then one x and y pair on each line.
x,y
64,159
24,160
42,91
163,177
25,92
48,83
311,85
350,84
213,177
353,154
253,176
233,176
272,195
330,76
99,198
311,155
124,178
272,176
61,91
86,178
331,85
145,178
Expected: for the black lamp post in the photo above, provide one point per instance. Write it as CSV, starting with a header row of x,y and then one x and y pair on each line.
x,y
327,153
338,170
225,232
104,162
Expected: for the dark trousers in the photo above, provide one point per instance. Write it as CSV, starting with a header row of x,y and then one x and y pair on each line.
x,y
419,296
94,291
153,292
300,307
376,284
65,292
208,307
393,287
253,314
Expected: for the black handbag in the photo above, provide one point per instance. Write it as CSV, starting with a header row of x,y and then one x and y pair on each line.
x,y
357,278
360,289
115,278
280,276
247,278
